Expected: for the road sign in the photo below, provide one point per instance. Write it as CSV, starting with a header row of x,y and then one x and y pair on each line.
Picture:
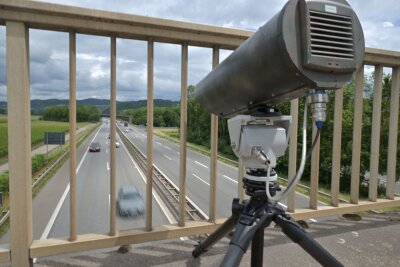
x,y
54,138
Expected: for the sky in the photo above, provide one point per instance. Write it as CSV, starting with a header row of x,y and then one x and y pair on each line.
x,y
49,50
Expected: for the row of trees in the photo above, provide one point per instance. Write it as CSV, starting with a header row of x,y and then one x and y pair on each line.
x,y
163,116
84,113
199,130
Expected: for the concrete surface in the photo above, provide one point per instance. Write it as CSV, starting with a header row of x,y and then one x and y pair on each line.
x,y
373,241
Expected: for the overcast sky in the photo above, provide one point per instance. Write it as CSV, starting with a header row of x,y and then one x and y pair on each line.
x,y
49,50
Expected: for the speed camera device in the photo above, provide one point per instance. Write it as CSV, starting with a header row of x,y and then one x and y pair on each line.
x,y
315,44
307,48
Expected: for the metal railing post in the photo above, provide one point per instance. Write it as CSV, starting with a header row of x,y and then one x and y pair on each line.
x,y
375,134
214,151
294,112
19,143
72,136
336,147
183,135
113,120
393,127
357,130
314,171
150,96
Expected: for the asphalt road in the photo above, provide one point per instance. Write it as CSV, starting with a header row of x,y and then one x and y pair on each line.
x,y
51,205
93,187
166,158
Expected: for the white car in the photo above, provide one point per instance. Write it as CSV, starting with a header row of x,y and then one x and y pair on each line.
x,y
117,144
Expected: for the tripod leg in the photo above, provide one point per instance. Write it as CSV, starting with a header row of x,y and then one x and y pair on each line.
x,y
257,248
296,233
221,232
245,231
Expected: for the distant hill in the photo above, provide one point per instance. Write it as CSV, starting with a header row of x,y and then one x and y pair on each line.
x,y
38,105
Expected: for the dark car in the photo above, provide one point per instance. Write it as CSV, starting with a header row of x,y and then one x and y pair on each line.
x,y
94,147
130,203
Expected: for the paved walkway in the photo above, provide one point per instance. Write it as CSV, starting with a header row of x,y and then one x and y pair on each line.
x,y
373,241
43,149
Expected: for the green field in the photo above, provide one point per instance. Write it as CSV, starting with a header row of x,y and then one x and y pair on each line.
x,y
38,129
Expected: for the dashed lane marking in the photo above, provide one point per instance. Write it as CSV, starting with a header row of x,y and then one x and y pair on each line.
x,y
229,178
200,179
201,164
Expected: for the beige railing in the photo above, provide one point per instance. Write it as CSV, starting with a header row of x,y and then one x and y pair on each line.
x,y
18,16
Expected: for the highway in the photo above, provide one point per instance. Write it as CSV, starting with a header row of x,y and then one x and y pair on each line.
x,y
166,158
93,191
51,206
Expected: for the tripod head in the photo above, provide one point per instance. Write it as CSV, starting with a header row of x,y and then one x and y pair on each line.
x,y
257,141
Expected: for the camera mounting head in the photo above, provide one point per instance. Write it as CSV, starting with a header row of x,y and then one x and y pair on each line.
x,y
258,141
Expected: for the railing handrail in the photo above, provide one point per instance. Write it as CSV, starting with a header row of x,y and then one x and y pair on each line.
x,y
60,17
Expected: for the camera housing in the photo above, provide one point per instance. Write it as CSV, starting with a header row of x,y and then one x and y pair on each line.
x,y
315,44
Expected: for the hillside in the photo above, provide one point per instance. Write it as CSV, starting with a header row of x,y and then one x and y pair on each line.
x,y
38,105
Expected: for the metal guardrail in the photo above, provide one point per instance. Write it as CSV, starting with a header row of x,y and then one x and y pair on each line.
x,y
167,190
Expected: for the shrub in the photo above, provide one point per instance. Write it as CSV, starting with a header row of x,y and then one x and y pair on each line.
x,y
38,161
4,182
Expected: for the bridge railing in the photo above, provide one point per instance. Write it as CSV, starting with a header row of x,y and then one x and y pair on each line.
x,y
19,16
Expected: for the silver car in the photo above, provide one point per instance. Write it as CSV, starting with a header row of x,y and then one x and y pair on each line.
x,y
130,203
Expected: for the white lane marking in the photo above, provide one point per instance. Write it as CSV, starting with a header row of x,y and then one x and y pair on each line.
x,y
158,143
167,157
162,206
106,150
229,178
108,166
178,153
167,147
201,164
53,217
200,179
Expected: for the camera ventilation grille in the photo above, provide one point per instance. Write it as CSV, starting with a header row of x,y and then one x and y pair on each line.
x,y
331,35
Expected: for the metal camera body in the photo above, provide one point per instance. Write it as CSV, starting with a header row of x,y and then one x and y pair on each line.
x,y
258,141
315,44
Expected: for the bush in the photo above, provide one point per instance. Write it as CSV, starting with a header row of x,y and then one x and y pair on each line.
x,y
4,182
38,161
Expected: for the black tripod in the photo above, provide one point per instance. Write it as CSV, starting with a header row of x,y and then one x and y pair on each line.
x,y
249,220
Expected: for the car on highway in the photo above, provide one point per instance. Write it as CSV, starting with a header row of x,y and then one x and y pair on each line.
x,y
117,144
129,203
94,147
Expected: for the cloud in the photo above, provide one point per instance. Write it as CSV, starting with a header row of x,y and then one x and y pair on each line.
x,y
49,50
388,24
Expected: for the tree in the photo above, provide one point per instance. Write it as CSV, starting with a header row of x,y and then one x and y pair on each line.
x,y
61,113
